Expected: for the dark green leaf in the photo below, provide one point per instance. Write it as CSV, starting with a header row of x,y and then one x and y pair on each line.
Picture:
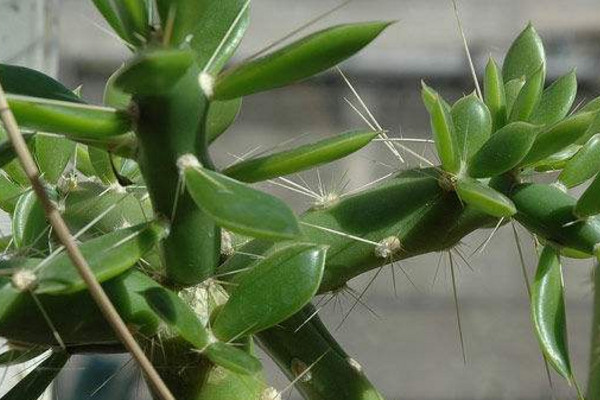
x,y
52,154
472,126
273,289
589,202
238,207
484,198
525,55
29,225
37,381
102,165
494,96
504,150
528,97
511,92
301,158
297,61
28,82
584,164
221,114
178,315
7,151
548,312
556,101
233,358
557,160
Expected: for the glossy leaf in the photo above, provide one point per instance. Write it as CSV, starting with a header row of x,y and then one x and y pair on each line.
x,y
29,225
102,164
548,312
238,207
68,118
154,72
557,160
232,358
297,61
556,101
221,115
37,381
592,105
472,125
301,158
443,135
528,97
524,56
108,256
511,92
484,198
559,136
584,164
430,97
493,94
504,150
24,81
589,202
19,355
272,290
592,129
52,154
177,315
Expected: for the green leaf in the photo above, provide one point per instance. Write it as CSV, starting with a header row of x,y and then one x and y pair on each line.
x,y
297,61
301,158
177,315
484,198
504,150
134,16
28,82
233,358
9,193
548,312
511,92
221,115
592,105
592,129
559,136
584,164
78,120
472,125
443,135
82,160
108,256
52,154
110,14
217,36
525,55
589,202
556,101
238,207
30,228
430,97
19,355
37,381
528,97
7,151
557,160
113,96
102,165
153,72
272,290
494,95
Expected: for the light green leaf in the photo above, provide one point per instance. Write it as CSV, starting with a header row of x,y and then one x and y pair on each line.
x,y
52,154
444,137
484,198
233,358
472,125
528,97
525,55
583,165
589,202
556,101
494,95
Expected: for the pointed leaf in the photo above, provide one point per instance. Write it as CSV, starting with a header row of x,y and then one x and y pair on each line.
x,y
37,381
504,150
484,198
493,94
472,125
28,82
528,97
19,355
108,256
221,115
592,105
524,56
559,136
297,61
556,101
584,165
52,154
511,92
592,129
548,312
177,315
153,72
301,158
233,358
134,16
557,160
110,14
272,290
102,165
9,193
68,118
443,135
589,202
430,97
29,225
238,207
7,151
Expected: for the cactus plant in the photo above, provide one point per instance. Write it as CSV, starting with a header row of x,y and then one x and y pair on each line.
x,y
154,216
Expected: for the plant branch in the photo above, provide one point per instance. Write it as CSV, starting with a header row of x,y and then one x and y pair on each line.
x,y
65,237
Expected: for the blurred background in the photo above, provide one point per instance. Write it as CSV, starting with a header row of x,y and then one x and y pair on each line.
x,y
404,335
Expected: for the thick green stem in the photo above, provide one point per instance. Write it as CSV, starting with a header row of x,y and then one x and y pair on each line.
x,y
168,128
309,355
593,392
